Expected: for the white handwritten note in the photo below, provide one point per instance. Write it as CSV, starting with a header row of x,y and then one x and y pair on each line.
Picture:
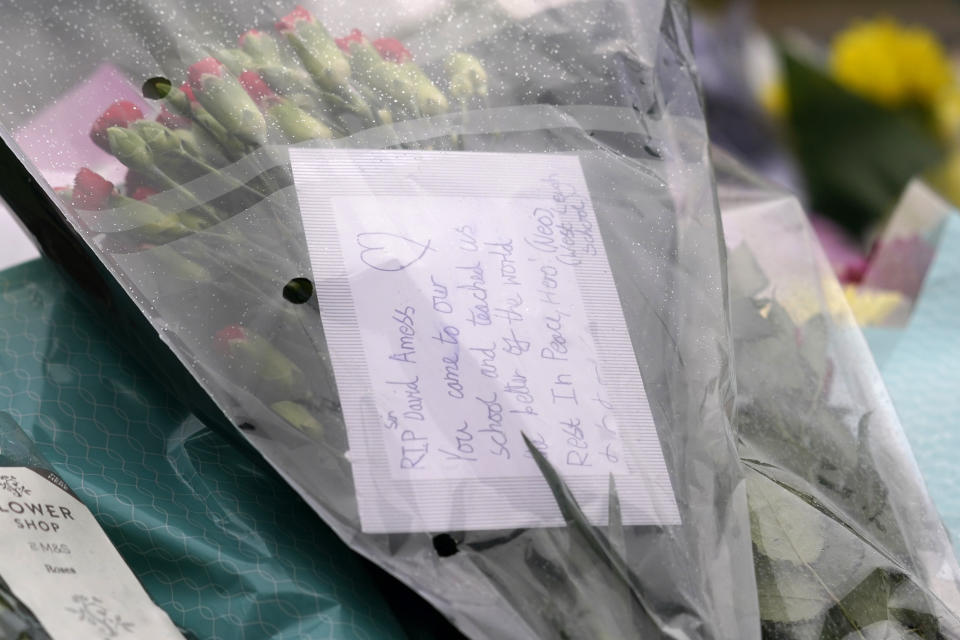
x,y
466,299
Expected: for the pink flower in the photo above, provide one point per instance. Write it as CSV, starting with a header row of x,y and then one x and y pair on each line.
x,y
225,98
134,180
251,32
289,22
355,36
143,192
119,114
91,191
852,272
844,254
205,67
173,120
393,50
226,337
900,265
185,87
256,87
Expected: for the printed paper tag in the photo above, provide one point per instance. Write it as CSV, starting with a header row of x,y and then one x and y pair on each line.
x,y
59,562
466,298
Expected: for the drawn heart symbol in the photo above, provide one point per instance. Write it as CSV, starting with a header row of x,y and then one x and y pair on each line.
x,y
389,251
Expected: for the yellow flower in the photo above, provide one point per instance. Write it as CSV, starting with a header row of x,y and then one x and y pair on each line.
x,y
945,177
891,64
872,307
946,113
924,64
844,304
775,100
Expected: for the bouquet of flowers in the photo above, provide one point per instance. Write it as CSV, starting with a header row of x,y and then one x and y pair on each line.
x,y
241,99
256,151
847,543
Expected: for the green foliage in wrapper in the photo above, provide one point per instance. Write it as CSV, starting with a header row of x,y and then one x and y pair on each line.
x,y
828,550
857,156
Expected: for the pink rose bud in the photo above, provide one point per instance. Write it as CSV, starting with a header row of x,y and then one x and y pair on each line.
x,y
91,191
142,193
173,120
119,114
393,50
256,87
228,336
355,36
289,22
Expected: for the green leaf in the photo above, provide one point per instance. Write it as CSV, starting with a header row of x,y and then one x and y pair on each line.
x,y
747,278
857,156
869,603
780,523
789,593
884,630
592,547
862,606
924,625
615,532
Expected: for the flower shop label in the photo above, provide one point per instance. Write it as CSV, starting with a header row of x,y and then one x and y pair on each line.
x,y
467,299
58,561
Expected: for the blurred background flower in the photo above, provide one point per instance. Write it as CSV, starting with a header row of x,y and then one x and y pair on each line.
x,y
855,107
842,103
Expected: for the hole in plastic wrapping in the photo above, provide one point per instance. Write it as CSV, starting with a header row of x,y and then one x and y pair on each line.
x,y
246,426
445,545
156,88
298,290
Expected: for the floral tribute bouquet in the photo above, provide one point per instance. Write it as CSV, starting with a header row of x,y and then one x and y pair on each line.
x,y
206,244
847,542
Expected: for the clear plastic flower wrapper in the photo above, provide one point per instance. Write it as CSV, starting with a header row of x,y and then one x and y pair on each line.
x,y
453,269
202,526
847,543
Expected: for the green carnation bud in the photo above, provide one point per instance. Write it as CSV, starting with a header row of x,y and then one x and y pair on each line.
x,y
326,64
226,100
466,76
130,149
235,60
319,54
285,80
188,142
150,220
273,372
232,107
430,100
261,48
296,124
179,266
298,415
178,101
201,145
158,138
387,78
